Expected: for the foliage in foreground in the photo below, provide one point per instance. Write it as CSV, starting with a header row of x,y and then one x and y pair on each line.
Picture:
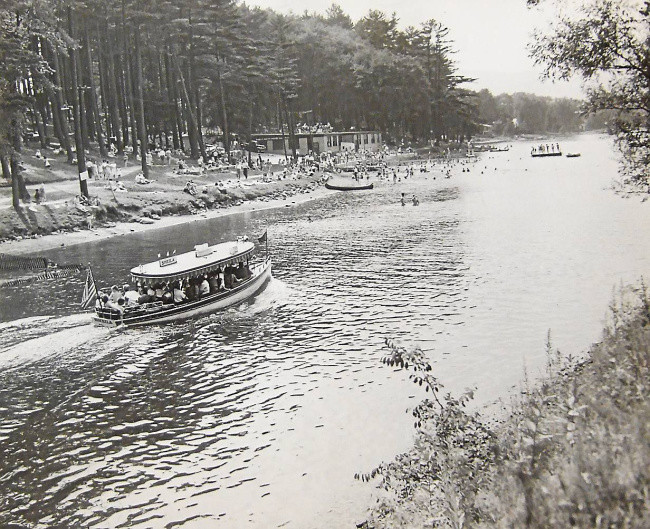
x,y
573,453
607,42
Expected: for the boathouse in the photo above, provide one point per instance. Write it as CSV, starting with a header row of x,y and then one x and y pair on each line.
x,y
321,142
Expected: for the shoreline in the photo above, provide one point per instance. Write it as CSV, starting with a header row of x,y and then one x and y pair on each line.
x,y
34,245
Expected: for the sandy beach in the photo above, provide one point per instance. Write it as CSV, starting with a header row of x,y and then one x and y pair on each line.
x,y
34,245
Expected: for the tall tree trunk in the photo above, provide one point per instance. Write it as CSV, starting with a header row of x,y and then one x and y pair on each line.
x,y
192,134
292,133
18,189
93,98
103,88
129,87
249,137
140,100
224,111
122,97
111,94
186,100
6,167
199,119
55,116
41,108
163,98
132,94
63,120
39,125
173,102
78,139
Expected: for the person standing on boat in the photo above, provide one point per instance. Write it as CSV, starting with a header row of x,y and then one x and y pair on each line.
x,y
403,200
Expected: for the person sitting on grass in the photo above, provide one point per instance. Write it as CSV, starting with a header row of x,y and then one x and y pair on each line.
x,y
140,179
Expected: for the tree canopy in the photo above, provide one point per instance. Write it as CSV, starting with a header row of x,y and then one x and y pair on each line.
x,y
607,44
133,75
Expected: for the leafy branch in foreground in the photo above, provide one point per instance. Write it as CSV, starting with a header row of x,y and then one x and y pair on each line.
x,y
574,451
607,44
434,484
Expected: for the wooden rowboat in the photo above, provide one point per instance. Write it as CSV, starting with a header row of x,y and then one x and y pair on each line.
x,y
347,186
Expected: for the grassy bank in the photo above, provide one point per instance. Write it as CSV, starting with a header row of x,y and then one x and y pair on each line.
x,y
574,452
133,202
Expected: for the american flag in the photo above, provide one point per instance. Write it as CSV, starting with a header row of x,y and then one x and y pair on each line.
x,y
90,290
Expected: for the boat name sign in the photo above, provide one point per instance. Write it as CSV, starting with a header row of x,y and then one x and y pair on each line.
x,y
166,261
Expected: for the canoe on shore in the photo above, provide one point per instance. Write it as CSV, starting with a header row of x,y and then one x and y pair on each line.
x,y
347,186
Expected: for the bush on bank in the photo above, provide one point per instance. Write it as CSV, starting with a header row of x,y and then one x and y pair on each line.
x,y
574,451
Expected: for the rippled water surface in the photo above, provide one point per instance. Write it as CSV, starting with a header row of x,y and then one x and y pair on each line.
x,y
259,416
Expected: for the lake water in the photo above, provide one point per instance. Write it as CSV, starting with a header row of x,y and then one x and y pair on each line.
x,y
261,415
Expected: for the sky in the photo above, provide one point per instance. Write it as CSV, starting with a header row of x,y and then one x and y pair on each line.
x,y
490,37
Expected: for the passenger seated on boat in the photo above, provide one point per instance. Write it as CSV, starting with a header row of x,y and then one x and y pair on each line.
x,y
228,279
215,283
130,295
242,273
192,290
179,295
115,294
147,297
99,302
168,297
114,307
204,287
159,291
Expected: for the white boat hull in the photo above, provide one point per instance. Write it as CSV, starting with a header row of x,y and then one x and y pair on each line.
x,y
211,303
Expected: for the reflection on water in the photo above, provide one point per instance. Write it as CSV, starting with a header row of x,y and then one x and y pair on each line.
x,y
259,416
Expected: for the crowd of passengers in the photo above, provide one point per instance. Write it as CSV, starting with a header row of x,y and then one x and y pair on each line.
x,y
176,292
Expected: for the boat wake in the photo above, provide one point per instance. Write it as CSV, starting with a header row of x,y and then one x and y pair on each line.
x,y
276,294
30,340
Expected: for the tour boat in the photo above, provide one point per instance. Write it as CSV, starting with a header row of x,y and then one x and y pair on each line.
x,y
201,261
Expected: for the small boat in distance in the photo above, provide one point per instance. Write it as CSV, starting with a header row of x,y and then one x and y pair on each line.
x,y
544,150
227,266
573,155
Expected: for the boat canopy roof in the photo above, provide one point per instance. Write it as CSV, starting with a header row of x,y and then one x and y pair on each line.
x,y
201,260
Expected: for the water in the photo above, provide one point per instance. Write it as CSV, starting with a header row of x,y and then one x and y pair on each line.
x,y
260,416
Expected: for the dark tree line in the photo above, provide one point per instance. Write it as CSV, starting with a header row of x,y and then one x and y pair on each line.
x,y
607,44
131,74
521,113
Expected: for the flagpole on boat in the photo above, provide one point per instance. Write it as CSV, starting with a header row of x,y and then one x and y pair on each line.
x,y
90,289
